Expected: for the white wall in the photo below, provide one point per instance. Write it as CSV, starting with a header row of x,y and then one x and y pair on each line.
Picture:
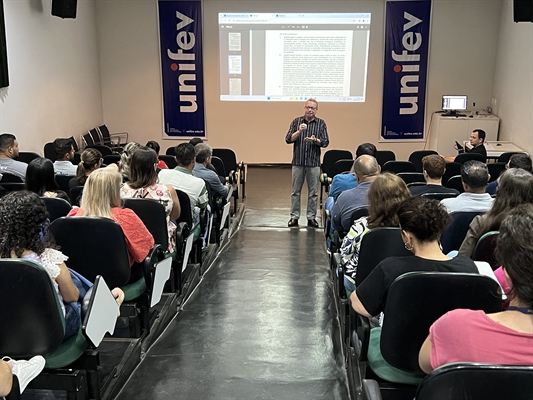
x,y
462,59
54,74
513,80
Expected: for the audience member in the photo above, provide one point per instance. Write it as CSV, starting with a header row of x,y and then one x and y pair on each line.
x,y
474,176
203,158
143,184
9,150
521,160
24,370
347,180
477,141
433,167
101,198
366,169
64,155
195,141
515,188
91,160
181,178
124,165
40,179
385,195
422,221
152,144
501,338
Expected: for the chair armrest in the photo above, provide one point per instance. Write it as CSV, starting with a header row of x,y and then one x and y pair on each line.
x,y
371,390
120,135
359,334
155,254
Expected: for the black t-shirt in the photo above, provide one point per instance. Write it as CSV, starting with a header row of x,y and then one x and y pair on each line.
x,y
372,292
481,149
417,190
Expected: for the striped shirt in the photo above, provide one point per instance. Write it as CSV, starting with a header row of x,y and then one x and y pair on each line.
x,y
307,154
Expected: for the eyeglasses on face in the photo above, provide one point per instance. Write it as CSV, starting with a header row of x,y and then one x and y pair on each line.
x,y
310,108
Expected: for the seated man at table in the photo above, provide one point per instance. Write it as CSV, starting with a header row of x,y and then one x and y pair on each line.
x,y
477,141
433,167
474,176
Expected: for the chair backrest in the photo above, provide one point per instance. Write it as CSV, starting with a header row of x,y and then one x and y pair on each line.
x,y
377,245
358,213
63,181
27,156
341,166
49,152
185,205
169,160
219,166
88,139
97,136
31,319
56,207
74,144
398,166
13,186
439,196
485,249
505,157
455,182
417,299
228,157
171,151
112,159
95,246
75,195
7,177
411,177
452,169
495,169
331,157
416,158
384,156
464,157
105,150
477,382
152,214
452,237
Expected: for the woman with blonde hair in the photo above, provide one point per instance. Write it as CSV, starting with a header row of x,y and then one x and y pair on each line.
x,y
101,198
385,195
125,158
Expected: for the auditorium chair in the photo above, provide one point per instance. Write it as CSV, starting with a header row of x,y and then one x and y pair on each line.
x,y
455,182
63,182
32,323
338,236
114,140
97,246
383,156
27,156
56,207
112,159
495,170
464,157
171,151
49,151
218,204
414,302
412,177
169,160
342,166
229,158
75,195
104,149
452,169
416,158
398,166
7,177
326,168
228,177
439,196
454,235
485,249
468,381
505,157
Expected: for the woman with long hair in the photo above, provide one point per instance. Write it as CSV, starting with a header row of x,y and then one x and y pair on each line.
x,y
40,179
501,338
384,196
101,198
125,157
143,184
515,187
91,160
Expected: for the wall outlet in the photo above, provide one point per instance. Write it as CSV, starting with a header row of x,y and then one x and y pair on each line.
x,y
494,101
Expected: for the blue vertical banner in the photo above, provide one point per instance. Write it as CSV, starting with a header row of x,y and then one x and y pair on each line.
x,y
405,68
180,36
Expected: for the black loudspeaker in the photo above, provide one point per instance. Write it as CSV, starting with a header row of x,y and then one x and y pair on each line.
x,y
64,8
523,10
4,77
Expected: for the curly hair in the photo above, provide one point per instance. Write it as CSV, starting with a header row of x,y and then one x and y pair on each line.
x,y
23,224
423,217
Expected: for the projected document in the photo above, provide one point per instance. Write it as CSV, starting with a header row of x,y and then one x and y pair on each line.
x,y
291,57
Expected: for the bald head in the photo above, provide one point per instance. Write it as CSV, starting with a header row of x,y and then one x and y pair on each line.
x,y
366,168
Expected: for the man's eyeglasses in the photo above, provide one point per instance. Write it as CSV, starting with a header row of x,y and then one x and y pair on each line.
x,y
310,108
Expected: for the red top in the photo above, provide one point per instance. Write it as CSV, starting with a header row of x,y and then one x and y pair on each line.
x,y
471,336
138,240
162,165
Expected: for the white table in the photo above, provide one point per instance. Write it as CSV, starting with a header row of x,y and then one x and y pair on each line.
x,y
496,149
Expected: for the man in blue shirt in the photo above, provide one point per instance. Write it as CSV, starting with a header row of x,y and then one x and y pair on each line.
x,y
308,134
203,154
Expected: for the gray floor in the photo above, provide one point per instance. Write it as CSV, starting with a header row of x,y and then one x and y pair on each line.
x,y
262,324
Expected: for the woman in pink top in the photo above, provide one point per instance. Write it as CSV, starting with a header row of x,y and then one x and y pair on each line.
x,y
502,338
101,198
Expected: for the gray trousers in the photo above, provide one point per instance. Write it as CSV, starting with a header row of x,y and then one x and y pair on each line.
x,y
310,174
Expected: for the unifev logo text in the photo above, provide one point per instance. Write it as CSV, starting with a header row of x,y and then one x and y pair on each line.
x,y
186,65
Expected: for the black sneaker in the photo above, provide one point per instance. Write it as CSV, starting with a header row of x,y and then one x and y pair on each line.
x,y
292,223
312,223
